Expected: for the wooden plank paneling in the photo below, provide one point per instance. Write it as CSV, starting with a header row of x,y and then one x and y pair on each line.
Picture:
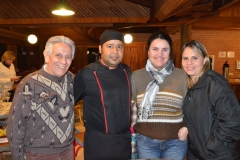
x,y
135,55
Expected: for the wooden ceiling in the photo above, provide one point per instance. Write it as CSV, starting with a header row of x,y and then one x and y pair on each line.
x,y
19,18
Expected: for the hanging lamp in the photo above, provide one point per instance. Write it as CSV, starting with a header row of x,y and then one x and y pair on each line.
x,y
128,38
32,39
63,10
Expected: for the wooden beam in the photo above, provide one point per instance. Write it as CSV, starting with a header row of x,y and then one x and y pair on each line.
x,y
145,3
169,7
185,36
90,30
172,30
184,9
13,35
83,32
218,23
45,21
10,41
204,14
57,25
219,5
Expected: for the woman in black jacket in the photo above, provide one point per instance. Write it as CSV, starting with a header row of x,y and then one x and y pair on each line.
x,y
211,109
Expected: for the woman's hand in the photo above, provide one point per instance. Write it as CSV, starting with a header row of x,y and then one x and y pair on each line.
x,y
182,134
15,79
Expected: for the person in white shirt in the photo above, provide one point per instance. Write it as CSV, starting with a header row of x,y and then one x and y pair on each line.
x,y
8,73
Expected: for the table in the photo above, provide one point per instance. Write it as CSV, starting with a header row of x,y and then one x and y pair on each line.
x,y
234,81
4,110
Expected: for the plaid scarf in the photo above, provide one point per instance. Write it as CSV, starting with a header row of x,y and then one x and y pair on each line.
x,y
146,108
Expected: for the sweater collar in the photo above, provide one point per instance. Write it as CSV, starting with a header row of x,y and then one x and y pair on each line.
x,y
104,66
50,76
5,64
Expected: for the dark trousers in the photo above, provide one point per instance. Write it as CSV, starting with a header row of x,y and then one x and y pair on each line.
x,y
65,155
101,146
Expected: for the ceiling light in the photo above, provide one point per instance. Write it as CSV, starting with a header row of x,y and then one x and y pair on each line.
x,y
32,39
63,10
128,38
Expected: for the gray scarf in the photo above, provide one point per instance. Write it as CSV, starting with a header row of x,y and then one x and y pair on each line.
x,y
146,108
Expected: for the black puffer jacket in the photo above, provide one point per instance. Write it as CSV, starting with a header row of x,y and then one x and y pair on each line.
x,y
107,97
212,115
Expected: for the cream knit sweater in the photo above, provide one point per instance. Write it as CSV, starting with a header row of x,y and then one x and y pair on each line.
x,y
5,75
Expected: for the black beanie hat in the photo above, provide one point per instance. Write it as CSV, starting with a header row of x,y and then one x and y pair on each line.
x,y
111,35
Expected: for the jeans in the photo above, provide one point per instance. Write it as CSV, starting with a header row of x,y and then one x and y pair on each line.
x,y
152,148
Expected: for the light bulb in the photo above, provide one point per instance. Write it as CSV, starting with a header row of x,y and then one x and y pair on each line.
x,y
128,38
32,39
63,12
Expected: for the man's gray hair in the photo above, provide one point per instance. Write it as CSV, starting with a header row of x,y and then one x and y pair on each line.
x,y
56,39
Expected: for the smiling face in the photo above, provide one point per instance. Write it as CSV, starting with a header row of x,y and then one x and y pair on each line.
x,y
159,53
112,53
59,61
192,63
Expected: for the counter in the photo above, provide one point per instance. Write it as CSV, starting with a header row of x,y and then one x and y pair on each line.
x,y
235,84
234,81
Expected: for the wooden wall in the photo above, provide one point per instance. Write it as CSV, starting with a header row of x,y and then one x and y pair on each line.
x,y
80,59
216,41
221,40
29,58
135,55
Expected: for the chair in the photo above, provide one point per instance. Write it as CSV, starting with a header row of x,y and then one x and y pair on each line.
x,y
79,108
133,143
78,142
4,146
133,133
79,130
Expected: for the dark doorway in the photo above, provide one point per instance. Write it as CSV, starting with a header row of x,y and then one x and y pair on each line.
x,y
92,52
2,49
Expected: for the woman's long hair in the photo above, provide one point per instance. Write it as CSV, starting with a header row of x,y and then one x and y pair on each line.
x,y
200,49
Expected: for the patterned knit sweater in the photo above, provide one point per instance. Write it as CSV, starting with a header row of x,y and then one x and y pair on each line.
x,y
167,117
41,117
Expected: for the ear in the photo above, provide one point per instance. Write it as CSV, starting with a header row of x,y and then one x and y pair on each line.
x,y
46,57
100,49
205,60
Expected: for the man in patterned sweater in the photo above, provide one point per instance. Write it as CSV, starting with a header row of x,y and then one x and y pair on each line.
x,y
41,120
